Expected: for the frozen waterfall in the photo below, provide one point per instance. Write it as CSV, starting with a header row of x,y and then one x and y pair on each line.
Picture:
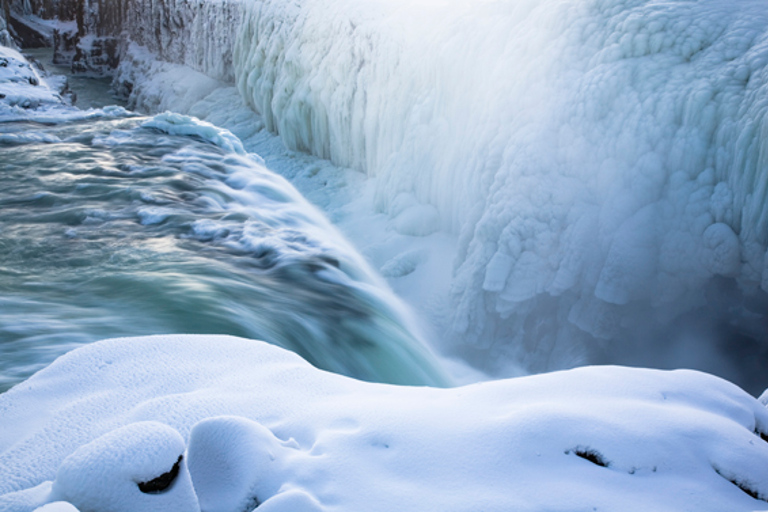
x,y
600,163
603,163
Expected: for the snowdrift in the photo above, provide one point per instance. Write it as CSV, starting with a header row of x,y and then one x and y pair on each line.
x,y
226,423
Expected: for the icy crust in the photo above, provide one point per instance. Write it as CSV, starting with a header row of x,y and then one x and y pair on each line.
x,y
601,161
178,124
258,426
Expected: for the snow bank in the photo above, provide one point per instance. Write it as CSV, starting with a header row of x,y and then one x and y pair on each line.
x,y
602,162
25,95
262,426
21,86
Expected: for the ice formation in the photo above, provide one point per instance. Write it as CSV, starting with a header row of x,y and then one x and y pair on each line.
x,y
260,425
601,161
5,36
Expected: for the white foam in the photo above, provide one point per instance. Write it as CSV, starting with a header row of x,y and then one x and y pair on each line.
x,y
178,124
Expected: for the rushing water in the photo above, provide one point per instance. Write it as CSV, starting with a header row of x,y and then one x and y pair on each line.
x,y
109,228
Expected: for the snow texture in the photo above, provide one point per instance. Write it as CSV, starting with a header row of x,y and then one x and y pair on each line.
x,y
103,474
21,87
258,425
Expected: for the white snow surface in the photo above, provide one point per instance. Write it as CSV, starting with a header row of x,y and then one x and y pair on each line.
x,y
256,424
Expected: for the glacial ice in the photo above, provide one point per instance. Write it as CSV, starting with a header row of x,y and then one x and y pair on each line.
x,y
255,424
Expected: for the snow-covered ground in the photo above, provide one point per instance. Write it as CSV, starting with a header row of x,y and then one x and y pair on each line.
x,y
248,423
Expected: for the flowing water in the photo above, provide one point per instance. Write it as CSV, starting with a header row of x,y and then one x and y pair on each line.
x,y
110,227
89,91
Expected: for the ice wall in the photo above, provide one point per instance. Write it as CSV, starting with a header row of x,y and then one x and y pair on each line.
x,y
603,162
196,33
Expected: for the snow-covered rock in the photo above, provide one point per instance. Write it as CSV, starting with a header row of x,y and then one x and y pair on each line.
x,y
21,87
137,467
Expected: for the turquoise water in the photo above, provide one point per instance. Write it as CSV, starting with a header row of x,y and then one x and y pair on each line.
x,y
90,92
108,229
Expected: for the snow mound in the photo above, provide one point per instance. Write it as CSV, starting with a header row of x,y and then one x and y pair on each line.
x,y
137,467
264,427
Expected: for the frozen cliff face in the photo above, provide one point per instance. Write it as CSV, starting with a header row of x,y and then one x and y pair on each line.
x,y
6,39
198,34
